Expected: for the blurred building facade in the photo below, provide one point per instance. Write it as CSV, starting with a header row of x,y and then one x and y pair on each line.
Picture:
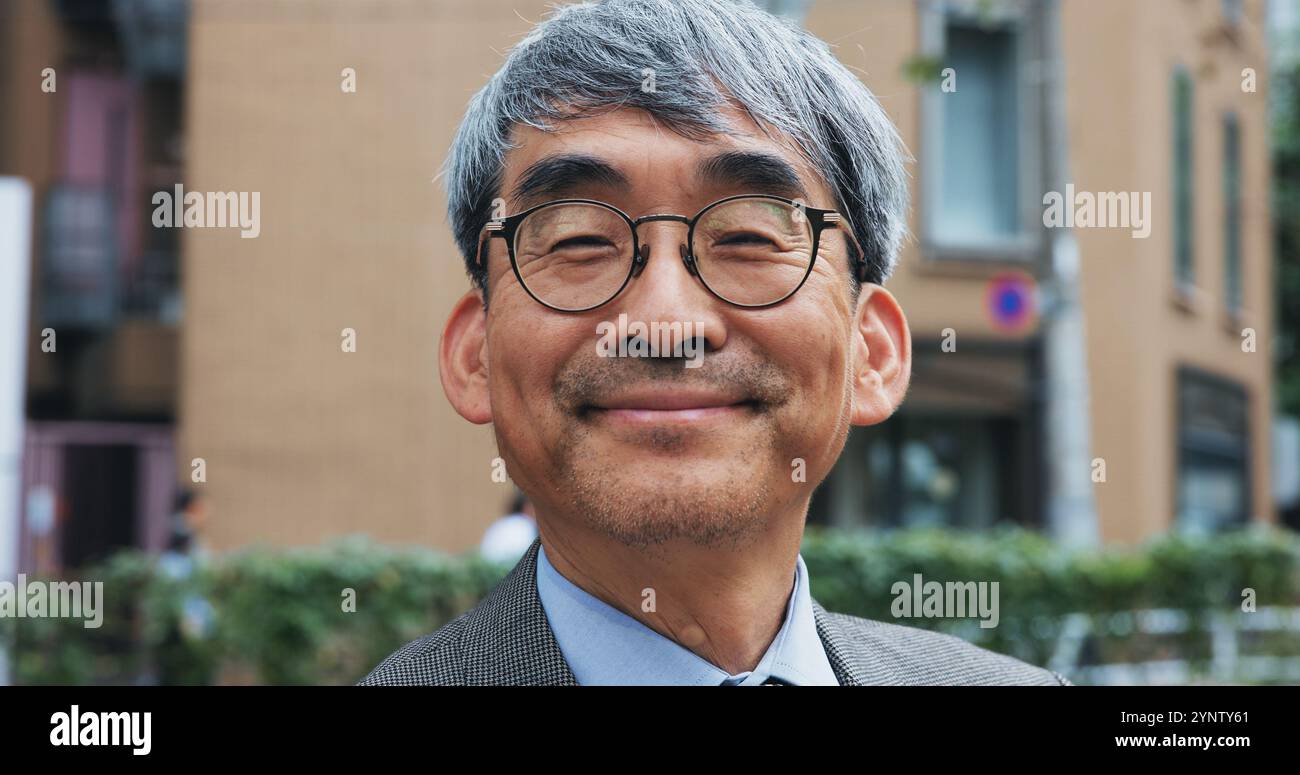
x,y
194,350
1154,102
92,121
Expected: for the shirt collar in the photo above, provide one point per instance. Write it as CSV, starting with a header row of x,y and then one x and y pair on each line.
x,y
605,646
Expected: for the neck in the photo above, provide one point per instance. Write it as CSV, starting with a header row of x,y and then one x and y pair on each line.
x,y
725,604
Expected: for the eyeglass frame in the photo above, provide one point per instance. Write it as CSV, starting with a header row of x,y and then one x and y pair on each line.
x,y
819,219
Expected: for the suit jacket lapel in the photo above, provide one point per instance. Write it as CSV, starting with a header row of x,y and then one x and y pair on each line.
x,y
856,659
507,638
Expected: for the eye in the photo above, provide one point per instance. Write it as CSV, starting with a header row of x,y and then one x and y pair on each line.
x,y
588,240
743,238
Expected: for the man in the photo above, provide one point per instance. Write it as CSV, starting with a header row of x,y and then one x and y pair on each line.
x,y
677,216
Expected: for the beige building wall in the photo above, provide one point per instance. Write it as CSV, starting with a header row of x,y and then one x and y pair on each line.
x,y
304,442
1119,58
1139,329
30,41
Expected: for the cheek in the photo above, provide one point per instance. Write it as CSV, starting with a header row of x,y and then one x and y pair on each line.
x,y
526,350
524,354
813,339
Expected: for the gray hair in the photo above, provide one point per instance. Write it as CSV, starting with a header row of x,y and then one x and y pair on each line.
x,y
705,55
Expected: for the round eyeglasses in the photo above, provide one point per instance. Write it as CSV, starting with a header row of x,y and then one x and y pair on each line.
x,y
752,250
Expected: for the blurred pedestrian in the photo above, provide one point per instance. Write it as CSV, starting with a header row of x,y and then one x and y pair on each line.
x,y
508,538
183,656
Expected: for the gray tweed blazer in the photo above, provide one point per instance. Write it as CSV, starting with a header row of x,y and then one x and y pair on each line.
x,y
507,640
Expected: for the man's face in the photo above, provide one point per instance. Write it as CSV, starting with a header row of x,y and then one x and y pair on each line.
x,y
644,449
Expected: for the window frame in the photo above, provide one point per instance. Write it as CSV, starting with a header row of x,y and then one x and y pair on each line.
x,y
1183,374
1028,20
1234,285
1184,267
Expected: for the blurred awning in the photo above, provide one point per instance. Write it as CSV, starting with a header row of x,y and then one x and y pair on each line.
x,y
988,380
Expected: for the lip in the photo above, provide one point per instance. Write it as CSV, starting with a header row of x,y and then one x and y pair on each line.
x,y
670,406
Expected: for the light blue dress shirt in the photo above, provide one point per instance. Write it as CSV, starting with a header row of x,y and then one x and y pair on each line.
x,y
606,647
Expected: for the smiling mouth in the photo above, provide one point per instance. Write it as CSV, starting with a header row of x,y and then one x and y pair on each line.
x,y
669,407
670,416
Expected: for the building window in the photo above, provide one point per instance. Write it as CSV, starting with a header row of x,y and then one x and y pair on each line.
x,y
1184,267
1213,452
1232,212
981,142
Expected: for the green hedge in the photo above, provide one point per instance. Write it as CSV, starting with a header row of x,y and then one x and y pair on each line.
x,y
1040,582
276,616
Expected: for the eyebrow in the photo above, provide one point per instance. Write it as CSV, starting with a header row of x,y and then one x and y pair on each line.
x,y
755,172
557,176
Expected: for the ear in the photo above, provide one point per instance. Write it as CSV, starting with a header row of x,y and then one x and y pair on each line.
x,y
463,359
882,356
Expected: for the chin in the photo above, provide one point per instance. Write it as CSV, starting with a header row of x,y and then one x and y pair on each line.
x,y
645,505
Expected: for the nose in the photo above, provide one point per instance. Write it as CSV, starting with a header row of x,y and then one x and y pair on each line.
x,y
658,239
643,258
668,290
643,254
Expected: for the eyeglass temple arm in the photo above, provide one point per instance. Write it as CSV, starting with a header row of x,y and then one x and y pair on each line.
x,y
836,221
490,230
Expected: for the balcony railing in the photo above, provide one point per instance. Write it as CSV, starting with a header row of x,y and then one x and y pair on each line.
x,y
86,283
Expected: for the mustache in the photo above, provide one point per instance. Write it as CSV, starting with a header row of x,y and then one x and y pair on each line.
x,y
588,379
